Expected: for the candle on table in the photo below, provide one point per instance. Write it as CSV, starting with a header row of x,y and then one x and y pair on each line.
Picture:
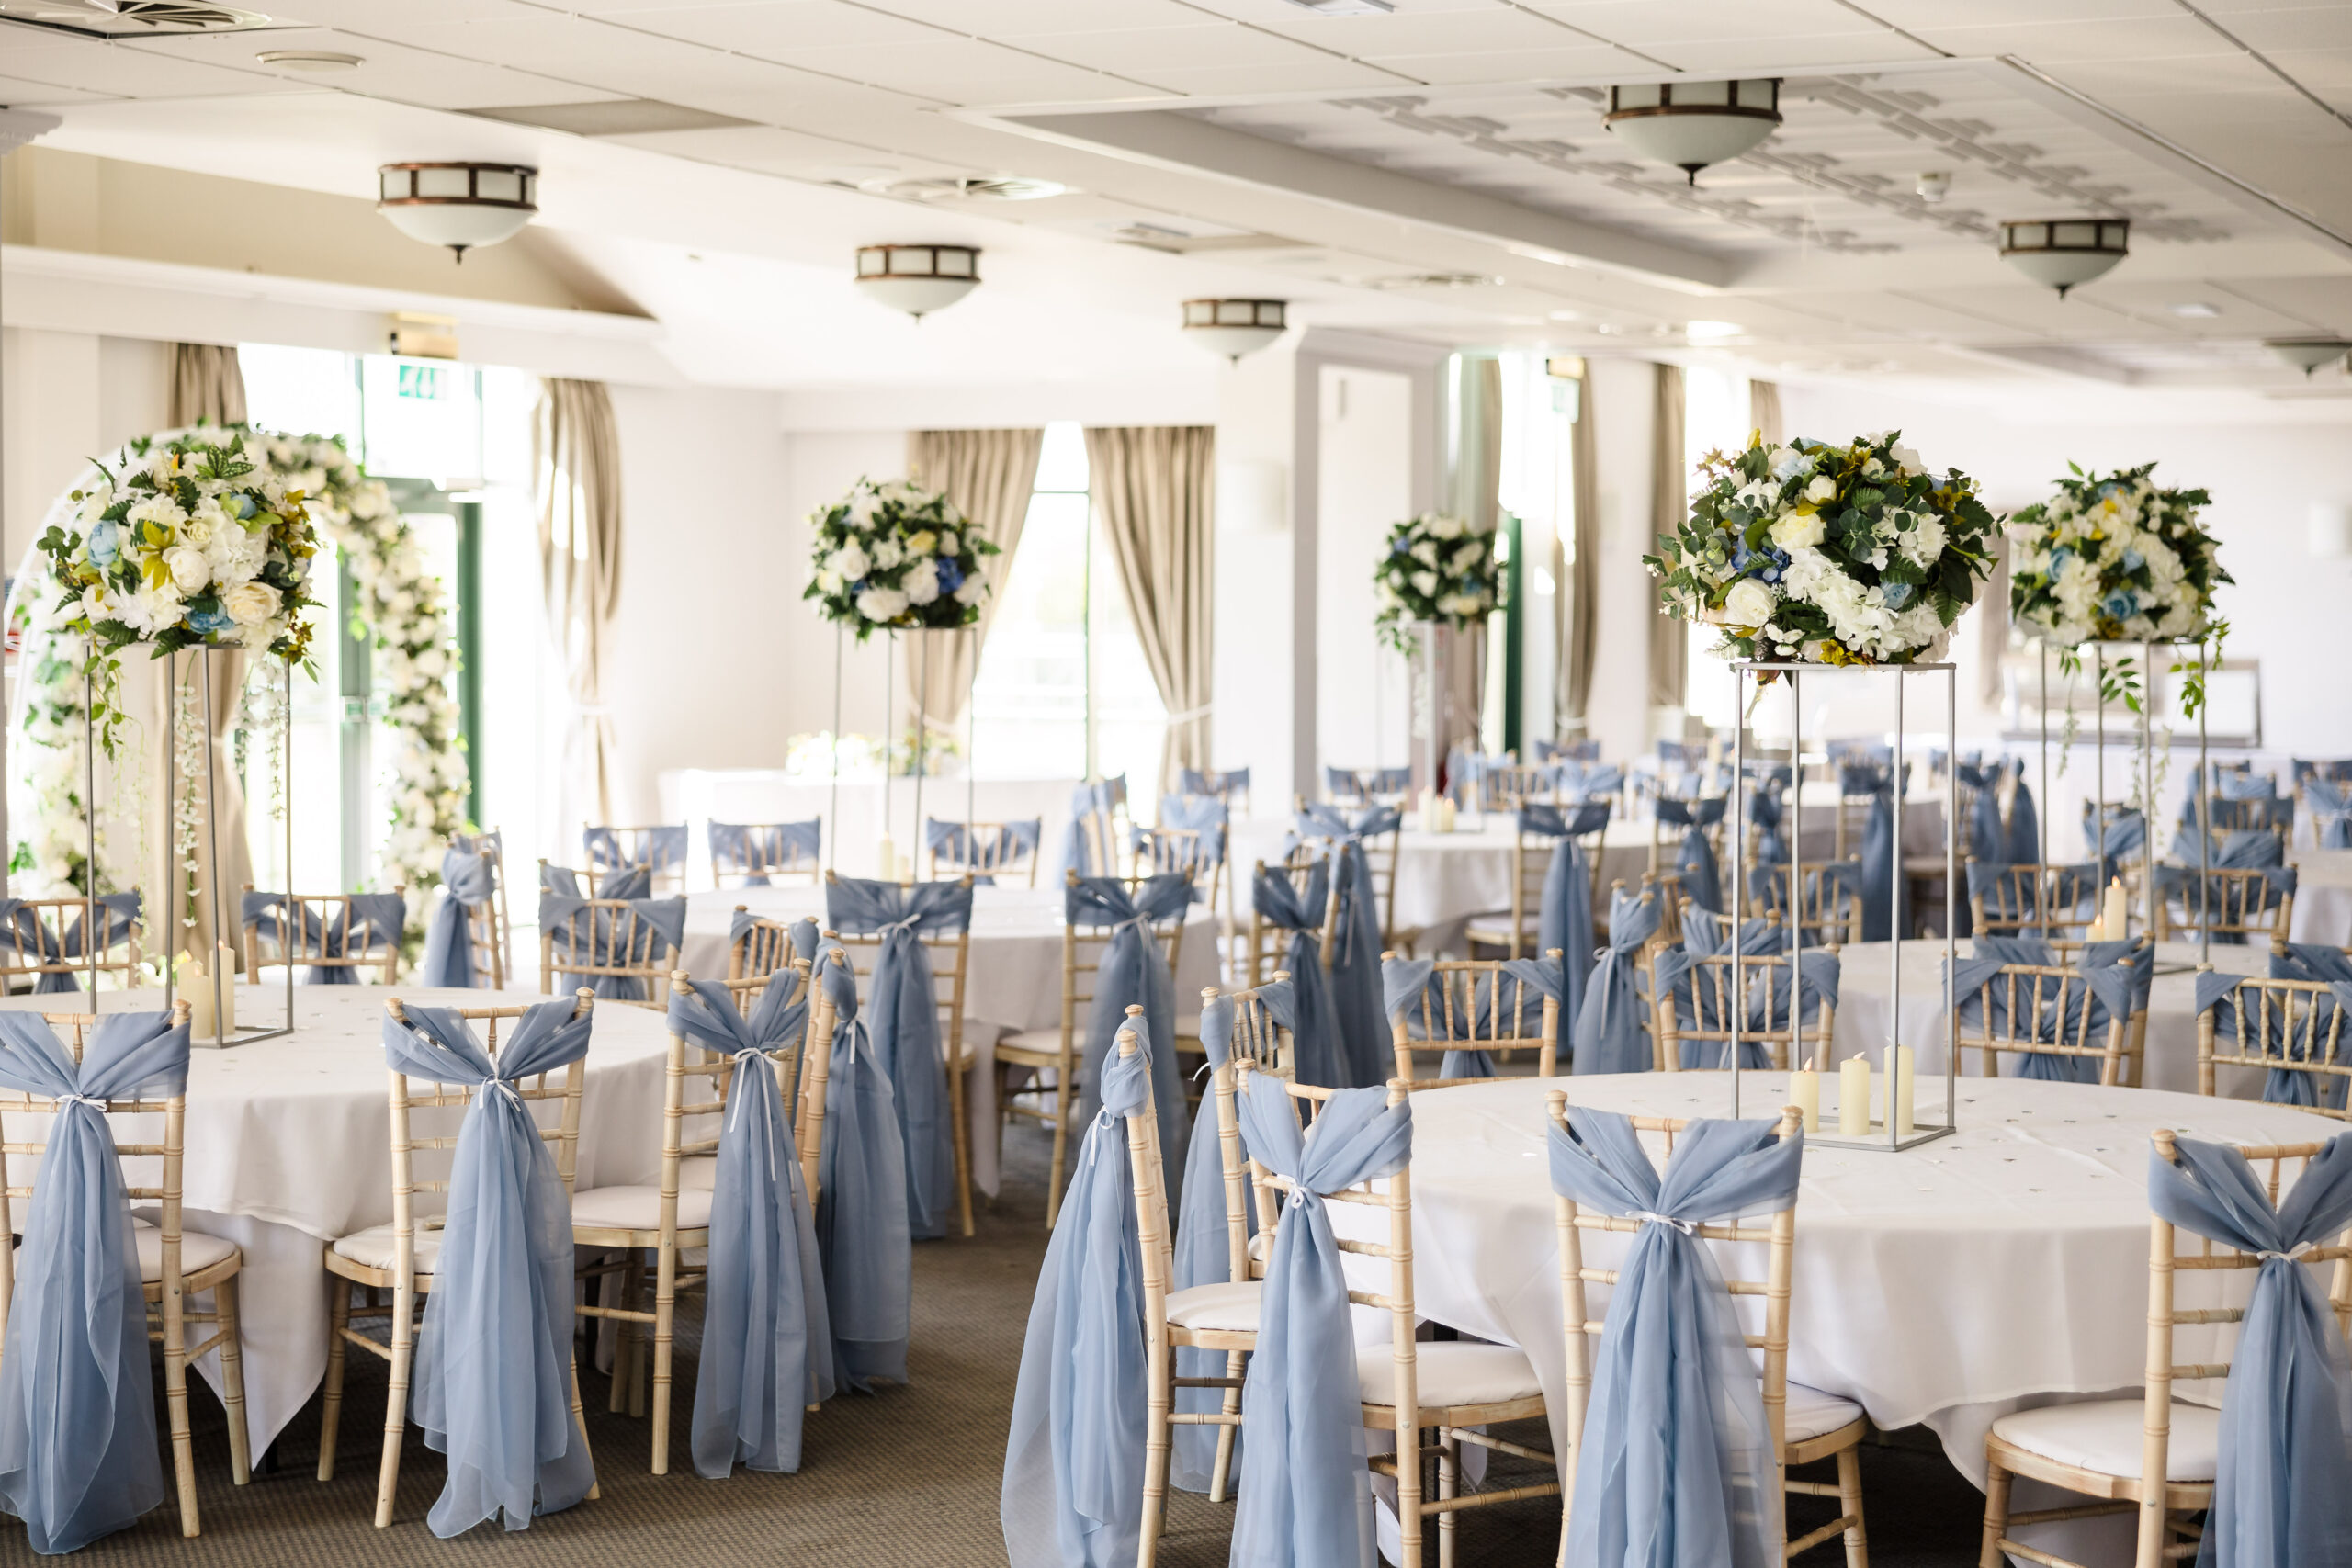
x,y
1902,1086
196,989
1854,1097
888,855
1805,1093
2113,917
224,964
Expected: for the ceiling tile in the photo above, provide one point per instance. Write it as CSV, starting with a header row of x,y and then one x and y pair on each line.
x,y
1151,52
2327,72
1789,56
2328,27
1517,65
2325,302
2186,81
965,71
2055,43
1426,32
1647,22
386,70
776,27
1321,75
123,71
20,92
1925,16
1009,18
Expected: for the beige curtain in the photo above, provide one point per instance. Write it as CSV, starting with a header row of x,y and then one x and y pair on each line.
x,y
1578,603
150,696
1669,497
1764,410
576,456
1477,486
1993,623
1155,489
988,475
207,387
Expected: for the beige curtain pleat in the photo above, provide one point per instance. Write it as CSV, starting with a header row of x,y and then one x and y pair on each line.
x,y
150,694
207,386
1764,410
1580,604
988,475
1670,498
576,458
1154,490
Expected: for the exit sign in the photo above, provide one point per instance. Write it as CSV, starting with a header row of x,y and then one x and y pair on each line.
x,y
425,381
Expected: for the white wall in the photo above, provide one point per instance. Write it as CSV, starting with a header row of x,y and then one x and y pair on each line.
x,y
1365,485
68,396
1623,395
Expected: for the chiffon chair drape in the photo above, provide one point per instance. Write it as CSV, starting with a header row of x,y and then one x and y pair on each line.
x,y
494,1358
1206,815
1695,859
1676,1467
1564,918
2118,989
2266,1030
369,923
1356,939
1088,837
766,1339
1199,780
1132,971
78,1455
1316,1053
469,884
745,847
1764,816
1074,1459
599,942
962,844
863,1242
1405,981
1705,935
663,848
1609,1037
116,913
902,1018
1303,1480
2330,811
2280,1499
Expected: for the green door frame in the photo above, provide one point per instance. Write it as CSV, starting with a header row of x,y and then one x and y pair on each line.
x,y
469,661
1514,633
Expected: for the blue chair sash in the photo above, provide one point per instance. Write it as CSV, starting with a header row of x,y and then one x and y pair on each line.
x,y
1132,969
665,849
863,1242
493,1357
2116,991
1206,815
1357,938
1404,981
738,847
118,911
468,882
2250,851
600,942
1564,914
2266,1032
2280,1499
902,1017
1073,1463
1587,780
1317,1056
1695,860
1708,936
1609,1020
1089,802
766,1341
78,1456
2331,808
370,923
962,845
1675,1466
1303,1474
1766,812
1194,780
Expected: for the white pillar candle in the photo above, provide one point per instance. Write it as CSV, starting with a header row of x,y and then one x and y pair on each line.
x,y
2114,918
1902,1086
224,964
1805,1093
196,989
1854,1097
887,854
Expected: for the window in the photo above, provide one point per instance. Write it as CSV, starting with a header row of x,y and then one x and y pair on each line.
x,y
1715,417
1063,690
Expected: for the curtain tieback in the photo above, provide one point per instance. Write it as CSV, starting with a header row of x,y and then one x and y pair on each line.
x,y
1688,1227
1189,714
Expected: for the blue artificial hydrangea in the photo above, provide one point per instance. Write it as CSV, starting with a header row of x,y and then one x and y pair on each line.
x,y
951,576
2133,561
209,622
2121,604
2059,558
106,544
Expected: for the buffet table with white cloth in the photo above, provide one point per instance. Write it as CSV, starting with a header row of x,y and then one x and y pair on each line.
x,y
1013,980
1864,989
289,1146
2003,1267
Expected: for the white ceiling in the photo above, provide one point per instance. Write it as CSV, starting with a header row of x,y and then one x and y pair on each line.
x,y
1439,172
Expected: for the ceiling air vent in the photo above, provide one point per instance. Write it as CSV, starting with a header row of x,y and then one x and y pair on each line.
x,y
614,117
131,18
1006,187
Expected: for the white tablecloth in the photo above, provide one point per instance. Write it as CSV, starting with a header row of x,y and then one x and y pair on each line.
x,y
2323,896
288,1145
2003,1267
1014,980
1864,989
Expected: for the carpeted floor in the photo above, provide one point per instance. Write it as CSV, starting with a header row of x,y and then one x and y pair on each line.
x,y
907,1478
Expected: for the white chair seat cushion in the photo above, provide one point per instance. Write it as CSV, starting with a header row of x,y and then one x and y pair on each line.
x,y
373,1247
1227,1306
639,1208
1449,1372
1044,1041
1813,1414
198,1251
1493,931
2104,1434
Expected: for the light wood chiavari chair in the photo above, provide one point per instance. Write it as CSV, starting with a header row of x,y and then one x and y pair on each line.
x,y
315,930
1814,897
1158,851
1703,1017
1806,1425
1530,862
1041,1052
34,943
403,1257
174,1264
491,845
487,932
2107,1448
2030,900
2292,1026
1474,1004
759,948
634,950
1512,785
1268,942
2242,903
660,849
990,849
951,954
767,855
2021,1002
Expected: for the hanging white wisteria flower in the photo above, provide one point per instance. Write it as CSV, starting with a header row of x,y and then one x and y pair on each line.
x,y
1438,569
897,556
2114,558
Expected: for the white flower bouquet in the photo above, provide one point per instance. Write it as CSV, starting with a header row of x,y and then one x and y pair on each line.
x,y
2114,558
191,544
1438,568
1827,555
897,556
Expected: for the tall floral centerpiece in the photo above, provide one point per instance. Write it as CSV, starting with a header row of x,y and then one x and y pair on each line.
x,y
1437,571
2115,559
1822,554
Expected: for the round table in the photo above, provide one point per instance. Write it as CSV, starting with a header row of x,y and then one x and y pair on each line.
x,y
289,1146
2003,1267
1864,988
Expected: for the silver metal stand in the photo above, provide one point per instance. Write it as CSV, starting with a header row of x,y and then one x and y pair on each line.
x,y
832,828
1885,1134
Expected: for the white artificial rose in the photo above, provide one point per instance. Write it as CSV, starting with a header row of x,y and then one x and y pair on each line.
x,y
949,544
861,508
1467,556
158,508
1750,602
1823,488
887,554
975,588
250,603
1906,460
881,603
432,663
1425,553
1425,583
849,563
1445,527
921,584
829,583
189,568
1795,533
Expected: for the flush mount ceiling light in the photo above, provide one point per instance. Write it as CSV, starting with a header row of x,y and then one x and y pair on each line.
x,y
458,204
918,279
310,60
1933,185
1693,124
1235,327
2059,252
2308,353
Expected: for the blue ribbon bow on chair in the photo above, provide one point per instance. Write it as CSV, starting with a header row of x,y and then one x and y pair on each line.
x,y
665,849
1609,1020
448,960
1695,860
1303,1470
2116,991
494,1358
117,912
1675,1466
746,847
78,1456
861,1237
1132,969
1317,1056
2279,1499
1090,807
1074,1462
902,1016
662,922
1194,781
1564,917
2331,810
1356,937
370,922
766,1339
